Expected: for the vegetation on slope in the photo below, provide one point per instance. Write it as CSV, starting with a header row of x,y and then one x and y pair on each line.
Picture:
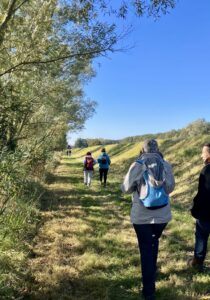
x,y
87,249
27,202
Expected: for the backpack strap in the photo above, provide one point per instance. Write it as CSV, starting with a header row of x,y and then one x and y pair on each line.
x,y
140,161
145,174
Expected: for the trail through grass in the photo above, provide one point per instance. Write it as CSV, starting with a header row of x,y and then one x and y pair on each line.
x,y
86,248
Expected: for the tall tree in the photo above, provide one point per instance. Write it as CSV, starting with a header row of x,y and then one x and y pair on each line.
x,y
46,52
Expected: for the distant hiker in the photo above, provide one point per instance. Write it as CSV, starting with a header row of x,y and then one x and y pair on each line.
x,y
201,212
68,151
88,162
150,179
104,163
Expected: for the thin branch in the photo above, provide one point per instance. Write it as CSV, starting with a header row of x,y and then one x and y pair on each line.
x,y
37,62
21,4
22,124
3,206
10,13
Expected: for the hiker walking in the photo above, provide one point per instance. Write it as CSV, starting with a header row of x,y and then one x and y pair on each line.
x,y
104,163
88,162
201,212
150,180
68,151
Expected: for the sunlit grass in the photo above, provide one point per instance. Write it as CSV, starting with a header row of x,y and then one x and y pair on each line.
x,y
87,249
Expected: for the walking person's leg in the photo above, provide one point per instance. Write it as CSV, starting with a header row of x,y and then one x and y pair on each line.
x,y
148,239
85,177
157,230
105,176
88,178
201,240
145,241
90,175
101,174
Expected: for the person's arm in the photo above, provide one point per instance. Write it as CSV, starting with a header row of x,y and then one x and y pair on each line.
x,y
99,159
206,178
132,178
169,183
84,164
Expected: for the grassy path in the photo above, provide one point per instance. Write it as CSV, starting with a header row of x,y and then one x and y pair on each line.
x,y
86,247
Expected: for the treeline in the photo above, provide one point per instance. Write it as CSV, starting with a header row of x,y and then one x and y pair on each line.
x,y
44,63
46,52
83,143
200,126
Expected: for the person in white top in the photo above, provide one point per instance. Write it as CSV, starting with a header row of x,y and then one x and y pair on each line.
x,y
88,163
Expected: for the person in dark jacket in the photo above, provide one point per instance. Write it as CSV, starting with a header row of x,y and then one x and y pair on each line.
x,y
68,151
104,163
201,212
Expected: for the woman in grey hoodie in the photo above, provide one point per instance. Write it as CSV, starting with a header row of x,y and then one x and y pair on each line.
x,y
149,221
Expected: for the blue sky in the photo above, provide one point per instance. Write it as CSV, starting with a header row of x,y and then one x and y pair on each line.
x,y
162,83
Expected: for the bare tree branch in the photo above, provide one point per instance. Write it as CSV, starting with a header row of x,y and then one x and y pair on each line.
x,y
37,62
9,14
19,6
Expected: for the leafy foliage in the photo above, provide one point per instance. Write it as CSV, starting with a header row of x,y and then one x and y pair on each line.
x,y
81,143
197,127
46,52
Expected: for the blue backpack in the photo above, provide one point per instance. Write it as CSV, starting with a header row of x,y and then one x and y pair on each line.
x,y
153,195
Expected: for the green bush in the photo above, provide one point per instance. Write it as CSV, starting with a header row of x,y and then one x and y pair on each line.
x,y
19,195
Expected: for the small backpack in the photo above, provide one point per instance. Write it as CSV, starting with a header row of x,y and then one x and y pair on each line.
x,y
152,194
104,160
89,163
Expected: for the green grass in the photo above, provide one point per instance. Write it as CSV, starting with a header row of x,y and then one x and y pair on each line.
x,y
87,249
17,229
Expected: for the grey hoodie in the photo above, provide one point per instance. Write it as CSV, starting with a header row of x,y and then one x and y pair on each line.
x,y
133,183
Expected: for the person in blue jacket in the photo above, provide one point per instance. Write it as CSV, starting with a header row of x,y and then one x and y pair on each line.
x,y
104,163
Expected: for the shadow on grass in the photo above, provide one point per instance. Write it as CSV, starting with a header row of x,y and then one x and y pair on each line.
x,y
171,293
55,199
120,148
86,206
176,242
73,179
97,208
84,288
89,288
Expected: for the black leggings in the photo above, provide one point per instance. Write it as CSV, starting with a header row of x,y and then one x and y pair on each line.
x,y
103,174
